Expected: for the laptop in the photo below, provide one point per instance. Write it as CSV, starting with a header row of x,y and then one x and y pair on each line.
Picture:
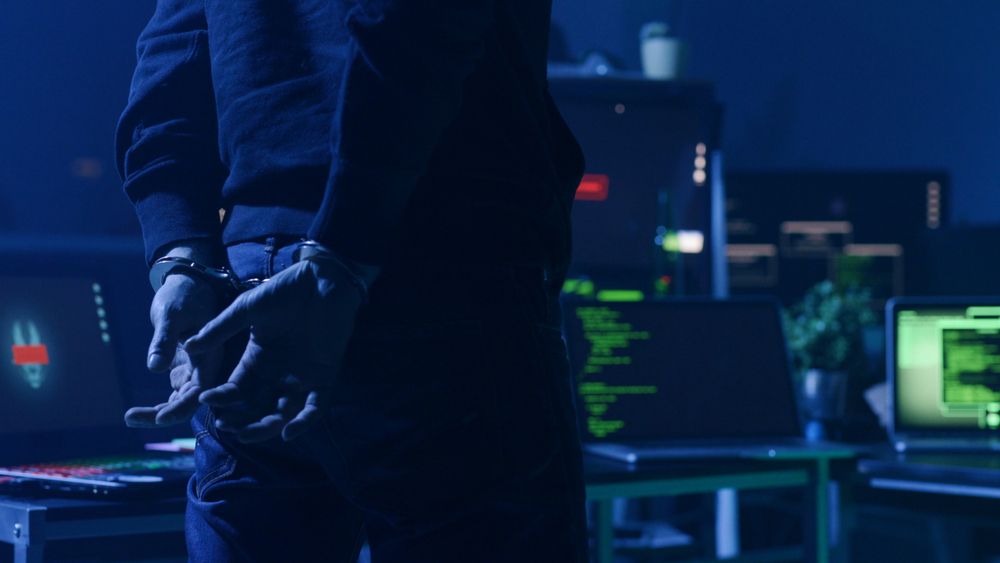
x,y
943,364
684,379
62,393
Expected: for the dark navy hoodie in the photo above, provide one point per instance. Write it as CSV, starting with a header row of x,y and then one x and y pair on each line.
x,y
391,130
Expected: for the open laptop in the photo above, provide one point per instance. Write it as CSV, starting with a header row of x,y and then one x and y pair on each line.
x,y
943,363
62,394
683,379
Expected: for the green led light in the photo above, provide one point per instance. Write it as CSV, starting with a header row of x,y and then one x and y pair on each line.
x,y
671,242
579,286
620,295
993,420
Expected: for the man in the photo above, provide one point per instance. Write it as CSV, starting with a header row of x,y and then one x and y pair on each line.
x,y
400,375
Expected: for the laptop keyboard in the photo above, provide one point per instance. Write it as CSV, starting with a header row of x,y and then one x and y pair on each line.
x,y
98,467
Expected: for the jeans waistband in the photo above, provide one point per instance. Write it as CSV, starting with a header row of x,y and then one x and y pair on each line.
x,y
422,288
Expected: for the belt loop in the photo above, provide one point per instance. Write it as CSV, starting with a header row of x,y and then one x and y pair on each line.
x,y
270,244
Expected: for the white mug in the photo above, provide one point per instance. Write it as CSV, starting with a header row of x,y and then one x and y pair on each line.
x,y
662,57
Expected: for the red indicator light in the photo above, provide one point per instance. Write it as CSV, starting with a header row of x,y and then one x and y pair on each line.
x,y
593,187
31,355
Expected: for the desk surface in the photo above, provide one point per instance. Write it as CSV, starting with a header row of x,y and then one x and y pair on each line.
x,y
975,475
59,509
601,470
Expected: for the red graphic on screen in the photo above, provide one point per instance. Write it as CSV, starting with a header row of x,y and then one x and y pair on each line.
x,y
34,355
593,187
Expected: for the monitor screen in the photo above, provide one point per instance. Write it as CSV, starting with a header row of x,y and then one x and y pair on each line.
x,y
947,367
680,370
57,363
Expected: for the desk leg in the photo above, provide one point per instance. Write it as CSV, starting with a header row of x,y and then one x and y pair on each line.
x,y
605,536
819,519
29,553
727,524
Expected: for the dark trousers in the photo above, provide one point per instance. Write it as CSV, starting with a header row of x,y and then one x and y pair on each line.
x,y
452,436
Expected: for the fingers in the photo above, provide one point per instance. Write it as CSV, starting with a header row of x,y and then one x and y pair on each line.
x,y
179,411
310,413
306,412
263,430
142,417
256,370
181,407
180,375
163,346
230,322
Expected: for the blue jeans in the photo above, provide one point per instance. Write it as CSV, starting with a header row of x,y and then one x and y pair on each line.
x,y
452,435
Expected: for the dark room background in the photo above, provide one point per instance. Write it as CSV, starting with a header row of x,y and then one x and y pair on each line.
x,y
848,84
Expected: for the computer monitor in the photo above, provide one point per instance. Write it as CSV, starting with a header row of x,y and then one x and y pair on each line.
x,y
944,367
57,364
680,370
788,230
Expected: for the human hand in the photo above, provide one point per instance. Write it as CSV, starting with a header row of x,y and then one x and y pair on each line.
x,y
300,323
180,308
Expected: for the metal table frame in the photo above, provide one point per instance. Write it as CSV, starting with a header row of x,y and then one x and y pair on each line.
x,y
813,474
28,525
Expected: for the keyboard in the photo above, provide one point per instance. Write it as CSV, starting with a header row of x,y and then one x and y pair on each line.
x,y
101,475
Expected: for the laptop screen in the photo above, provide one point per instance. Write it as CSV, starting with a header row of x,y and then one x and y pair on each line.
x,y
57,363
685,370
945,366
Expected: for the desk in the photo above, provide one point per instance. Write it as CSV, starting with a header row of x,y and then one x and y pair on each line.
x,y
29,523
607,480
968,475
938,503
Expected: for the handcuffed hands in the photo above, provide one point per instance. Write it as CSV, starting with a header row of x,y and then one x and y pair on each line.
x,y
181,307
300,323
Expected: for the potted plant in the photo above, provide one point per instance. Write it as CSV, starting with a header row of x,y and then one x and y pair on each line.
x,y
825,334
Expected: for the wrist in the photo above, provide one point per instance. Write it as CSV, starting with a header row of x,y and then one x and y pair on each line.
x,y
220,279
361,276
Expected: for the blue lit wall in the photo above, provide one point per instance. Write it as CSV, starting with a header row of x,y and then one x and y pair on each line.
x,y
805,84
64,75
842,84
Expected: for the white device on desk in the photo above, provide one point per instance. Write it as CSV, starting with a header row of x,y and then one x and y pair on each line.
x,y
683,379
943,366
62,394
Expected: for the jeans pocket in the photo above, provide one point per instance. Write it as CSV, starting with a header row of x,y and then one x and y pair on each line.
x,y
213,463
412,417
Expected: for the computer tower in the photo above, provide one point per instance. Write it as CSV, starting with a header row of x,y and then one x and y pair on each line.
x,y
648,217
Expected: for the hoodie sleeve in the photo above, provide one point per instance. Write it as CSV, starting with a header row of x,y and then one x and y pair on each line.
x,y
166,142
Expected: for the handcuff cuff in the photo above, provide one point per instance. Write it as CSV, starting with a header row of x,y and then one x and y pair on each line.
x,y
225,281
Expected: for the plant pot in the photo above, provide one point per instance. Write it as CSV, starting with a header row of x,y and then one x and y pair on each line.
x,y
822,397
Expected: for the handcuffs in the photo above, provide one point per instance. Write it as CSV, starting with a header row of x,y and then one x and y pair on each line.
x,y
224,281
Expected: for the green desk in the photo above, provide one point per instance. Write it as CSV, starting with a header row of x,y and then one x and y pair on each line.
x,y
808,469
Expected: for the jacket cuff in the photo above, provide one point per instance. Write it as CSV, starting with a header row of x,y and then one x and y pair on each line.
x,y
167,218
